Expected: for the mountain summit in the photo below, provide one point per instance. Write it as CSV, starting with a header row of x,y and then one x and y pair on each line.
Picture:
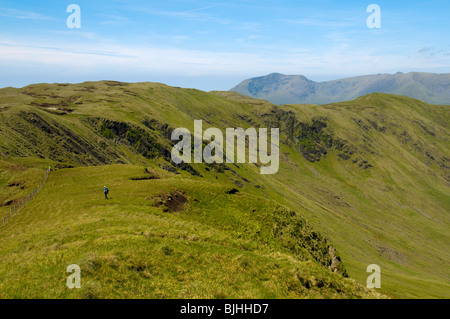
x,y
297,89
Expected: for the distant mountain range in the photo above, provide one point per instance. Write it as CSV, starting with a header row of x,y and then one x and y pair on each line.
x,y
297,89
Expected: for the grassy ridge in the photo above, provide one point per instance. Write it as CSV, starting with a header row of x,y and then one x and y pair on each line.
x,y
371,175
127,247
394,212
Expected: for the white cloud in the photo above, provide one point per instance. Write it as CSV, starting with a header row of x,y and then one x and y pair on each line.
x,y
128,62
21,14
324,22
196,14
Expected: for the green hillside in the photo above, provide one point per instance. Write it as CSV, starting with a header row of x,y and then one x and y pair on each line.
x,y
361,182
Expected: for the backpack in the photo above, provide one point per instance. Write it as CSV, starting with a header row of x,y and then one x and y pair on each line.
x,y
106,190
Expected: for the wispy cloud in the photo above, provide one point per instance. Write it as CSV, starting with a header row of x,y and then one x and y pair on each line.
x,y
433,52
26,51
21,14
108,19
323,22
340,59
248,26
196,14
423,50
203,8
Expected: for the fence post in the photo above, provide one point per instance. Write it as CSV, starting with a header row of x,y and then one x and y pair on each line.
x,y
21,202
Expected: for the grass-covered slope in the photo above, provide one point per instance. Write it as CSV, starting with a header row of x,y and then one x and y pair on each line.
x,y
370,176
204,243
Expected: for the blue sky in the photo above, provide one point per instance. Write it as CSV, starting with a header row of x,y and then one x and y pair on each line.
x,y
213,45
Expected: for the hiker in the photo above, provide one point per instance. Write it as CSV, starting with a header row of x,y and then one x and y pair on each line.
x,y
106,191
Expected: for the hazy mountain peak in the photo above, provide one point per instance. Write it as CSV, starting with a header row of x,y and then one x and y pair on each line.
x,y
298,89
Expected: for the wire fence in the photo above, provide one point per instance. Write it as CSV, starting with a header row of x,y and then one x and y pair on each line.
x,y
17,205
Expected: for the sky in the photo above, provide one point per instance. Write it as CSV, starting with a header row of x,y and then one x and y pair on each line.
x,y
214,45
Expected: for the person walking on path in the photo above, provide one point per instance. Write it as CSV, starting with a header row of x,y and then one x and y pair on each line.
x,y
106,191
